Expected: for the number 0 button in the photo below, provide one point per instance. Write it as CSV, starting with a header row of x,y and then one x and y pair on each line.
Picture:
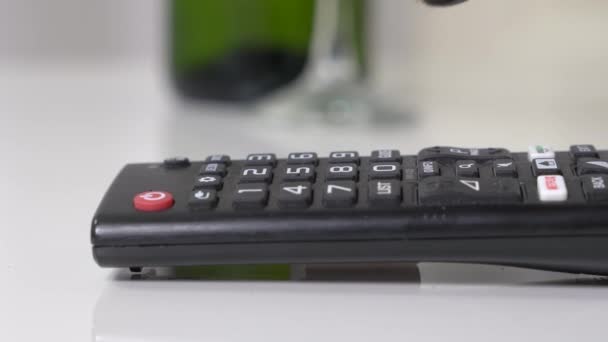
x,y
385,170
295,195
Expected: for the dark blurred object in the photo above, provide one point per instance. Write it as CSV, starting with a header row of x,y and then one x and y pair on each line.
x,y
238,50
443,2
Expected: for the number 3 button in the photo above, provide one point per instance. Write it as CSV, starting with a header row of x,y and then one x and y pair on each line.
x,y
295,195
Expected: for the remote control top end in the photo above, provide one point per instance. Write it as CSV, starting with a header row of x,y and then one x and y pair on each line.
x,y
539,208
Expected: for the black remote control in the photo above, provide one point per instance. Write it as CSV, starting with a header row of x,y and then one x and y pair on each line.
x,y
540,209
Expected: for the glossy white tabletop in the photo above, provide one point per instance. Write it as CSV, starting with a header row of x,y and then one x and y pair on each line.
x,y
66,130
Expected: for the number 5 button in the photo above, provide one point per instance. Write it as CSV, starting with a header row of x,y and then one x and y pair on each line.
x,y
295,195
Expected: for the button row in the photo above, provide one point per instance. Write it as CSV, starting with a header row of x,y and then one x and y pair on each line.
x,y
433,153
576,152
211,173
468,168
338,194
270,159
553,188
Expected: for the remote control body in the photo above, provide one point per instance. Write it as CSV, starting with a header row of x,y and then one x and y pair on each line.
x,y
538,209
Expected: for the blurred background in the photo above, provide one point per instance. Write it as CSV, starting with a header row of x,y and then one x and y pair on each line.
x,y
87,86
473,65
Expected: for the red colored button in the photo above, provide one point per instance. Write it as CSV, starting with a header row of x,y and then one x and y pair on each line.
x,y
153,201
551,183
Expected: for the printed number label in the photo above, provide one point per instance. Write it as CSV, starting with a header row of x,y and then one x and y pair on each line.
x,y
340,169
255,172
332,187
343,155
301,156
260,157
296,190
297,170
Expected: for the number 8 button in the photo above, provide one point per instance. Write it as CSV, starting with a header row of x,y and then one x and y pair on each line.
x,y
342,172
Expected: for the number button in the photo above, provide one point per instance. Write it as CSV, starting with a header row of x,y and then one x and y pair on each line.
x,y
218,158
208,181
384,193
344,157
467,168
339,194
385,156
385,171
256,174
302,158
213,169
504,168
342,172
299,173
250,196
261,159
295,195
200,198
428,168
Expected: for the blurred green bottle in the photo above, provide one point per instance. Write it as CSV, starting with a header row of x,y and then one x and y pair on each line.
x,y
238,50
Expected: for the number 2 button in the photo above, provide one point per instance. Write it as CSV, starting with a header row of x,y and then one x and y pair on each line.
x,y
295,195
256,174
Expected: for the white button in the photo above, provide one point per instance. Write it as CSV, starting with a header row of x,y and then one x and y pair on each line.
x,y
540,151
545,163
552,188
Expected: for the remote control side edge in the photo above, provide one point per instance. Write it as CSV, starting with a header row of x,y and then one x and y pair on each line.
x,y
565,254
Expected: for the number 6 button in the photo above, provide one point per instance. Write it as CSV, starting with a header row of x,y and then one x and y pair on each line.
x,y
302,158
295,195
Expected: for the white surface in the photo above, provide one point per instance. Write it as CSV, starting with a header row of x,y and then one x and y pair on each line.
x,y
66,130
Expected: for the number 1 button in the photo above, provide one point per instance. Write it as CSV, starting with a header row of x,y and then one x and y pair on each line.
x,y
295,195
250,196
339,194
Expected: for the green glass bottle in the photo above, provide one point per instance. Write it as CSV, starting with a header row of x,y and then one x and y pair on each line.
x,y
238,50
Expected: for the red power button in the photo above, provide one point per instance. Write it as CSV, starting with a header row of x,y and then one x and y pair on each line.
x,y
153,201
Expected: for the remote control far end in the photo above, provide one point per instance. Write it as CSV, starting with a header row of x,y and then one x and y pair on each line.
x,y
539,209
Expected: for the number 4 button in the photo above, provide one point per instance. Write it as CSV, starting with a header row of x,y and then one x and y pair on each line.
x,y
295,195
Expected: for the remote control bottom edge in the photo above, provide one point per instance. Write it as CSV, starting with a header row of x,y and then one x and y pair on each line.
x,y
584,255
